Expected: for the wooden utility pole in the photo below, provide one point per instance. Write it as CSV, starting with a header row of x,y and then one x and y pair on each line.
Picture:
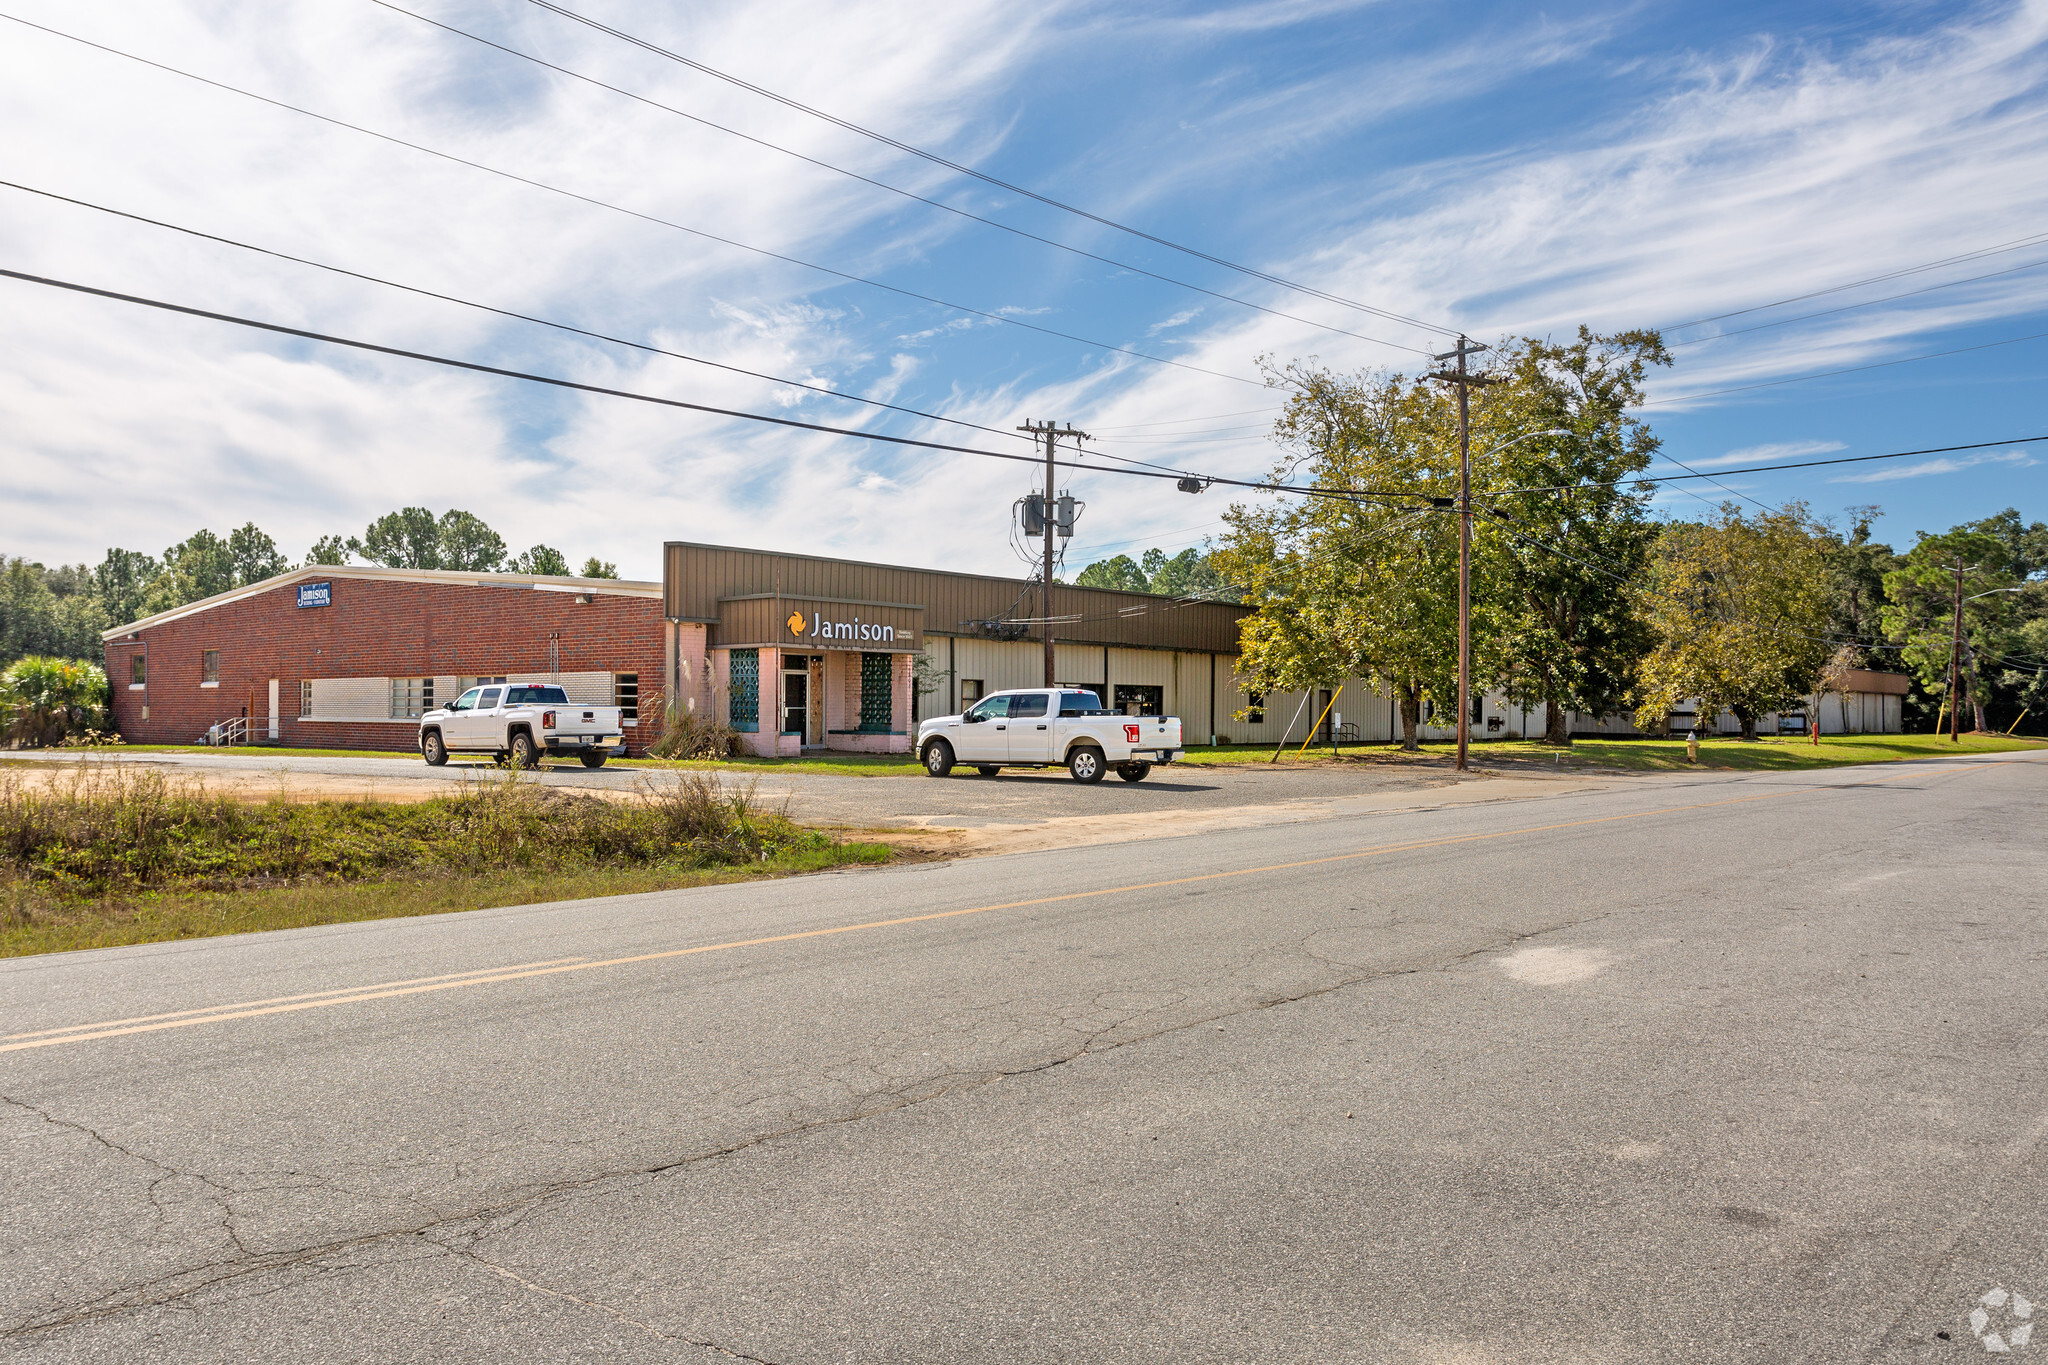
x,y
1051,433
1466,382
1955,662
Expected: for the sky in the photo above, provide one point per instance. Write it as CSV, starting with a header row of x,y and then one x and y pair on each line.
x,y
1352,182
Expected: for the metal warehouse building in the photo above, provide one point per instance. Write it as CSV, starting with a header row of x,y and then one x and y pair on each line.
x,y
796,652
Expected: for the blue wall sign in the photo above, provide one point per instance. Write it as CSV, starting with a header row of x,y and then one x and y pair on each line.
x,y
316,594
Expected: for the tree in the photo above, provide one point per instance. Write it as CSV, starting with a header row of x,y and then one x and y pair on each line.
x,y
1919,612
541,559
254,555
122,582
1118,571
43,700
1351,586
1857,565
469,545
1738,606
1555,563
594,567
48,612
409,538
332,550
198,566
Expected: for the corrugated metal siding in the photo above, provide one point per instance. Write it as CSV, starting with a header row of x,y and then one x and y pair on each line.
x,y
697,576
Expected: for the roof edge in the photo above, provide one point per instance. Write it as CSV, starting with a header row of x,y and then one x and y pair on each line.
x,y
616,587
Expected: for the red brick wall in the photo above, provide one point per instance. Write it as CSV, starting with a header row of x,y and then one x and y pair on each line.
x,y
375,628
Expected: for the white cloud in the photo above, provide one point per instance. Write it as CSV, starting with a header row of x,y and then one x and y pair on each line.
x,y
2017,459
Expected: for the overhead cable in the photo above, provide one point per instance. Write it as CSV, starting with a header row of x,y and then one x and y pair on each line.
x,y
1347,495
1852,307
508,313
1759,468
631,213
884,185
1853,369
984,177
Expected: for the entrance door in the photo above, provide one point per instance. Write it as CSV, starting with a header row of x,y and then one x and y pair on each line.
x,y
796,698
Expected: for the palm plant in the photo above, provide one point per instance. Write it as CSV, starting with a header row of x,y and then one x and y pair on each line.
x,y
43,700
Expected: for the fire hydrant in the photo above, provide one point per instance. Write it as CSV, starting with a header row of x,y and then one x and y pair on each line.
x,y
1692,745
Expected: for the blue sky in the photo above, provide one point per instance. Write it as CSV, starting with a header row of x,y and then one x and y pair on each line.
x,y
1512,172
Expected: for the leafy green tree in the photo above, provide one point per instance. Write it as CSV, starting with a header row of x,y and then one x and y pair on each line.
x,y
1739,606
469,545
43,611
122,582
541,559
594,567
1118,571
1857,565
1919,612
1555,567
199,566
332,550
409,538
1351,587
42,700
255,555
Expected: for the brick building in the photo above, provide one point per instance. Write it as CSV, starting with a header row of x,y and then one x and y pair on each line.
x,y
796,652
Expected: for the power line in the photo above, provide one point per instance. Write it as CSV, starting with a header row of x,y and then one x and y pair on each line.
x,y
938,160
1181,421
1760,468
2016,244
884,185
1853,369
504,312
631,213
1852,307
1347,495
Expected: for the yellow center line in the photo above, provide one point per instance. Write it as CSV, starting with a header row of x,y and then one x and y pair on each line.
x,y
285,999
491,976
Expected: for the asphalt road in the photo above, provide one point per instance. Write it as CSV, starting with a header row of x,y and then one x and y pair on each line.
x,y
1714,1068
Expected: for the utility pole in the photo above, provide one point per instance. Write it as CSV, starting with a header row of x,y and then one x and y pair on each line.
x,y
1466,382
1051,432
1955,661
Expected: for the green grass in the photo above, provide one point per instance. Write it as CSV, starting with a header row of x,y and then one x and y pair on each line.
x,y
1643,755
112,853
846,765
56,925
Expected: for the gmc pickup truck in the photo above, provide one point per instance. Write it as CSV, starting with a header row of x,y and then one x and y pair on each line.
x,y
1048,728
520,721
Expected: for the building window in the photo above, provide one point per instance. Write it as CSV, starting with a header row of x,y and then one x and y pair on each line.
x,y
305,696
971,691
1140,699
209,666
626,695
1255,707
138,670
411,698
877,692
743,689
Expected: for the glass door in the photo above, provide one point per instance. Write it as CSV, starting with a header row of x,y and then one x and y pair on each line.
x,y
796,698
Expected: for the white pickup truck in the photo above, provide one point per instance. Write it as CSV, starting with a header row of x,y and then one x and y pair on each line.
x,y
520,721
1048,728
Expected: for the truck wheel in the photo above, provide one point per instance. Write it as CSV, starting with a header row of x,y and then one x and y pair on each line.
x,y
595,760
435,752
1086,765
938,758
988,770
1133,772
524,754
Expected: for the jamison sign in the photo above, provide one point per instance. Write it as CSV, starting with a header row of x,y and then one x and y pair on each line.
x,y
855,631
794,623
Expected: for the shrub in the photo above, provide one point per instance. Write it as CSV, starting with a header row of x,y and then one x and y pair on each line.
x,y
44,700
98,828
693,734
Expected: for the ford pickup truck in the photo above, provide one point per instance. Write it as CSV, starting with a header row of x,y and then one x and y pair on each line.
x,y
519,721
1048,728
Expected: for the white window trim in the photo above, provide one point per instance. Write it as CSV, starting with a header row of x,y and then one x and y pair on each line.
x,y
204,684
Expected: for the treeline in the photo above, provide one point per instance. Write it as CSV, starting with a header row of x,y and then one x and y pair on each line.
x,y
59,612
1191,573
1583,600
